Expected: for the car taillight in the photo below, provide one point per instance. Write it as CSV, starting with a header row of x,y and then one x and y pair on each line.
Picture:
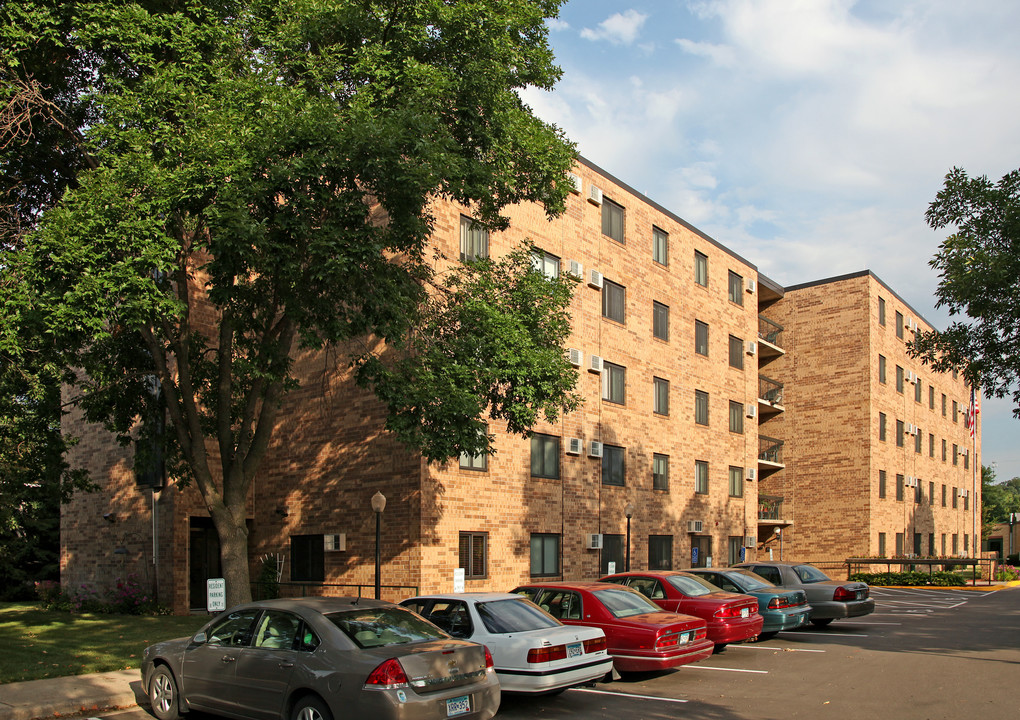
x,y
734,610
667,641
390,674
547,654
596,645
843,594
778,603
489,665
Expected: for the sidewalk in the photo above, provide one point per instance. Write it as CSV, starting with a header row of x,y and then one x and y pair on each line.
x,y
71,695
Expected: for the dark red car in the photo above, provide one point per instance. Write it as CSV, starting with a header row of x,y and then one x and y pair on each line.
x,y
641,635
731,617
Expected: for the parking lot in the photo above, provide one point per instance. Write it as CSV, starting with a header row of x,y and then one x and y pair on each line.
x,y
924,653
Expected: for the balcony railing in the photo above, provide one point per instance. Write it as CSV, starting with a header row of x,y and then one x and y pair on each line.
x,y
770,332
770,507
770,450
769,390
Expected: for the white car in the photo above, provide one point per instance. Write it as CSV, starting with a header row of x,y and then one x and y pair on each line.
x,y
533,652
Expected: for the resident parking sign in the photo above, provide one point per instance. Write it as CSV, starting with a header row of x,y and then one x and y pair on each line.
x,y
215,594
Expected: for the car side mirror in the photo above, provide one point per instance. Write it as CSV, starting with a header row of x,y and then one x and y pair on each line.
x,y
200,638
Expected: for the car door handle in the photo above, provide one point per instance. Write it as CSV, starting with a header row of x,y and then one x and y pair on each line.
x,y
228,659
286,664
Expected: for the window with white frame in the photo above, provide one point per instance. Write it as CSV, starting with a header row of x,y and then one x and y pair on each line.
x,y
474,240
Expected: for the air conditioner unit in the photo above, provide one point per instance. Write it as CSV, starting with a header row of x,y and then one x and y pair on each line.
x,y
595,364
752,348
959,492
576,357
595,194
335,543
751,285
575,180
752,411
576,269
750,541
574,446
594,541
751,474
908,376
595,279
966,493
594,449
694,526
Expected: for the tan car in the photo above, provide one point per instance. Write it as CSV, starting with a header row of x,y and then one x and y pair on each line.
x,y
320,659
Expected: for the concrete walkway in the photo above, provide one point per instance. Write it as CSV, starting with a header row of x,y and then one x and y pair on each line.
x,y
71,695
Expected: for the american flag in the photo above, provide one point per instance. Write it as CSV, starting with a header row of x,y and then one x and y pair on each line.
x,y
973,410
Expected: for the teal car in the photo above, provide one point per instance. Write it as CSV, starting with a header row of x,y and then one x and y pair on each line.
x,y
781,609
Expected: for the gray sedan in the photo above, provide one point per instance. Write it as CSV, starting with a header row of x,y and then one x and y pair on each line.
x,y
319,659
829,599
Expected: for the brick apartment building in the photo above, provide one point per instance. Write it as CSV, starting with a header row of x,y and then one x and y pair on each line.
x,y
717,406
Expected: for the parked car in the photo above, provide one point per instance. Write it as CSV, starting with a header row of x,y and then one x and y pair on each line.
x,y
830,599
533,651
320,659
641,635
730,617
780,608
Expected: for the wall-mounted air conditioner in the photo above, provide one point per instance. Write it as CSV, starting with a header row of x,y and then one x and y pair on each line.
x,y
595,364
337,542
595,279
751,474
574,446
594,449
752,348
575,181
595,194
909,376
752,410
576,269
750,541
594,541
576,357
750,285
694,526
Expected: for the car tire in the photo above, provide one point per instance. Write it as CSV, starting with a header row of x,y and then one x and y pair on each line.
x,y
766,635
311,707
821,623
163,695
718,648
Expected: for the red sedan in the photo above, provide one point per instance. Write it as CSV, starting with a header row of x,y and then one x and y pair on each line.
x,y
731,617
641,635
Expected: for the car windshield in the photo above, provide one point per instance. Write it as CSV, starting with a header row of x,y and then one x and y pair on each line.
x,y
379,627
625,603
507,616
749,580
810,574
691,585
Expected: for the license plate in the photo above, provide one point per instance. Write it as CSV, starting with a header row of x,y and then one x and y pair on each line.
x,y
684,637
860,594
574,650
745,612
458,706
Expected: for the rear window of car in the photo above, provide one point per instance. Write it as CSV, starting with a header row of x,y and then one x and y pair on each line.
x,y
691,586
751,581
507,616
380,627
810,574
625,603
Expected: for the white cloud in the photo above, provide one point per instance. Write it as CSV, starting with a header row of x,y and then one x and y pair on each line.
x,y
619,28
557,25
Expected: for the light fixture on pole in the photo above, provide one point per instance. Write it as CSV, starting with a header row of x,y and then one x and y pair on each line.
x,y
629,512
378,505
779,534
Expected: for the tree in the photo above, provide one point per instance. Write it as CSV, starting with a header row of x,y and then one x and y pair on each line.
x,y
978,269
255,177
998,500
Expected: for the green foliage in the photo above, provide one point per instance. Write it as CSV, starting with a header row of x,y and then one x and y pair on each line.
x,y
128,597
978,267
998,500
940,578
1007,573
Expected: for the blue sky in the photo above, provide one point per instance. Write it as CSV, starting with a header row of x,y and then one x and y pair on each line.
x,y
807,135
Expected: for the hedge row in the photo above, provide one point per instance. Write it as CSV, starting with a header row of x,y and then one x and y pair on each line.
x,y
940,578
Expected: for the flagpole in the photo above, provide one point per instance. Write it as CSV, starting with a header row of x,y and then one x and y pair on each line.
x,y
975,540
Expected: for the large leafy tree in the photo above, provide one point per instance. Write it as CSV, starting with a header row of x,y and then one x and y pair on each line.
x,y
978,265
226,181
998,499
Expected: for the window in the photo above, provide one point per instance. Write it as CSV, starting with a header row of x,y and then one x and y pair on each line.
x,y
736,352
956,499
545,554
736,288
931,445
899,324
966,461
661,392
660,552
474,462
474,240
956,544
307,558
660,321
917,390
899,544
474,553
881,310
966,537
899,487
612,220
899,433
881,426
701,477
943,449
701,269
277,630
545,456
701,407
943,495
943,404
701,338
931,500
966,502
614,301
956,411
918,492
931,397
548,265
660,472
614,383
235,629
881,369
736,481
612,554
899,379
943,544
612,465
917,440
931,544
736,547
736,417
956,454
881,544
917,543
660,246
881,483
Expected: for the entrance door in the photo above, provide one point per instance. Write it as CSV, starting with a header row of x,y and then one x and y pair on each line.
x,y
203,559
703,545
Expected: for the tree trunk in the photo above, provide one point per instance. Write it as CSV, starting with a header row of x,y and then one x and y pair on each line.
x,y
233,534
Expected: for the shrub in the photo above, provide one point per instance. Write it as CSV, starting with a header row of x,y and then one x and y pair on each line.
x,y
940,578
127,598
51,595
1007,573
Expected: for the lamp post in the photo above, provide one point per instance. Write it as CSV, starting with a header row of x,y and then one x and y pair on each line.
x,y
629,512
779,534
378,505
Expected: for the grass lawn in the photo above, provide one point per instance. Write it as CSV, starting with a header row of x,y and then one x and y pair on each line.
x,y
46,643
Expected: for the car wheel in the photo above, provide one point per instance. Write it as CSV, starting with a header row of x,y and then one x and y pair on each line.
x,y
163,694
311,708
821,623
719,648
766,636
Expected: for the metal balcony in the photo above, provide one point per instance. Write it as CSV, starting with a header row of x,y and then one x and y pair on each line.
x,y
770,396
770,507
770,454
770,339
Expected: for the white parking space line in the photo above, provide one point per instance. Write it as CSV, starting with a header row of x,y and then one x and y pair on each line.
x,y
712,667
866,622
772,647
629,696
829,634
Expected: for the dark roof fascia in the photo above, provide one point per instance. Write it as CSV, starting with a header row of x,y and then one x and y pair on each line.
x,y
851,276
771,285
671,215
